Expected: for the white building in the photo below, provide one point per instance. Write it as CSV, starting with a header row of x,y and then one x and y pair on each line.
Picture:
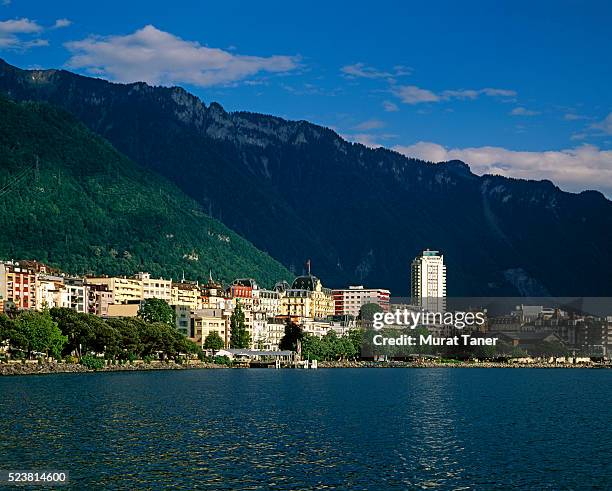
x,y
349,301
49,289
155,287
76,296
428,281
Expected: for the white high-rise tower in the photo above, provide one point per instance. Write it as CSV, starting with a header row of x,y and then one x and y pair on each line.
x,y
428,281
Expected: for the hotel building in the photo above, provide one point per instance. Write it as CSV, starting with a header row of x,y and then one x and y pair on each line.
x,y
428,281
350,301
307,299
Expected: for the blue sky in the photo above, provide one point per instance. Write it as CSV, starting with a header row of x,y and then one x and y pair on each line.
x,y
516,88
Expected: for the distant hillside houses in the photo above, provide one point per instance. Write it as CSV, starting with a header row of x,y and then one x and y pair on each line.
x,y
201,308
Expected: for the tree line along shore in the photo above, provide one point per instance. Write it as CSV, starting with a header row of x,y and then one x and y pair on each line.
x,y
61,340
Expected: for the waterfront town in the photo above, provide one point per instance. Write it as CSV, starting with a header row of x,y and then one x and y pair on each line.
x,y
203,308
200,308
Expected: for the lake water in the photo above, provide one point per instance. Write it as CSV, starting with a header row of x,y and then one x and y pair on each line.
x,y
321,429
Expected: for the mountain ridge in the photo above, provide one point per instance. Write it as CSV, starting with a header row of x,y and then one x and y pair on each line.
x,y
299,191
70,199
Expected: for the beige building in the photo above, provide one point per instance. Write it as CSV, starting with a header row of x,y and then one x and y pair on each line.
x,y
155,287
307,299
205,321
213,295
99,300
134,290
124,290
123,310
186,294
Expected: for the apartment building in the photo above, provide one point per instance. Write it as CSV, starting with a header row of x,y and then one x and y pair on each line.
x,y
205,321
17,286
125,290
50,291
349,301
428,281
99,299
186,294
155,287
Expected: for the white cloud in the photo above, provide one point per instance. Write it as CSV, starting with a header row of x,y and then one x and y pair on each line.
x,y
605,125
370,124
16,34
498,92
573,117
158,57
575,169
369,139
19,26
411,94
366,139
6,2
361,70
59,23
521,111
390,107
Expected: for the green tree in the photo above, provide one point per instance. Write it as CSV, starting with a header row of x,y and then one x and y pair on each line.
x,y
345,348
331,345
7,326
128,329
106,339
157,310
213,342
312,347
40,333
76,327
239,336
552,348
16,340
186,345
152,338
292,338
356,338
367,311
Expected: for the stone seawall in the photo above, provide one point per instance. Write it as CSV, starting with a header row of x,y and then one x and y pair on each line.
x,y
456,364
48,368
32,368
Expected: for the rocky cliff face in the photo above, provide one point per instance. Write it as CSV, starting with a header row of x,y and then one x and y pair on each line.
x,y
300,191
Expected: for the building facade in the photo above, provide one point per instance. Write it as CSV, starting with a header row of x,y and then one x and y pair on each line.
x,y
349,301
186,294
17,286
125,290
155,287
307,299
205,321
428,281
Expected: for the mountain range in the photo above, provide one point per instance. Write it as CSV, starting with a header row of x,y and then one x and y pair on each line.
x,y
299,191
68,198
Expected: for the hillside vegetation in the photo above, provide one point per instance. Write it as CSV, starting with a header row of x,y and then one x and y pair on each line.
x,y
67,197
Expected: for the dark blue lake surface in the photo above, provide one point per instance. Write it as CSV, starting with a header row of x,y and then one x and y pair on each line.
x,y
324,429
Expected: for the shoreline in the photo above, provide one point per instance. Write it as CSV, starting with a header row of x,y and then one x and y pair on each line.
x,y
20,369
